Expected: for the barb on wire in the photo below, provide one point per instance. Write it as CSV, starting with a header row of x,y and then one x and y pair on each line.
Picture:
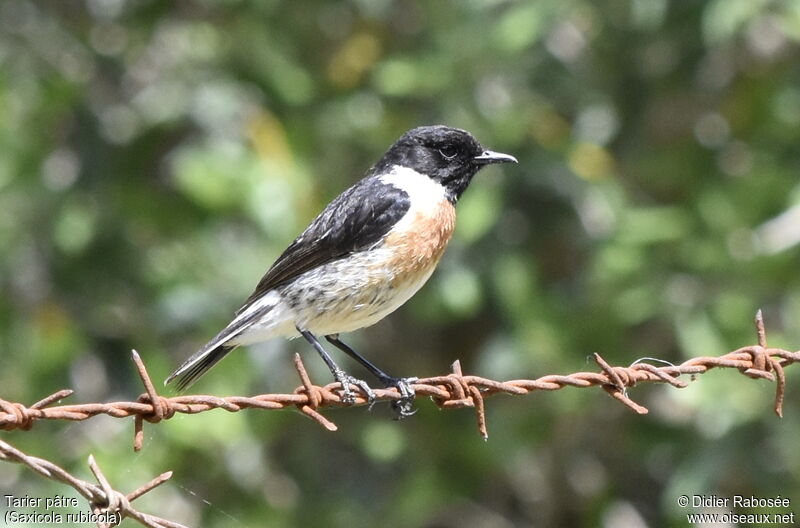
x,y
449,391
108,506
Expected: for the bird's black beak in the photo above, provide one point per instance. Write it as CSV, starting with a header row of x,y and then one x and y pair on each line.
x,y
489,156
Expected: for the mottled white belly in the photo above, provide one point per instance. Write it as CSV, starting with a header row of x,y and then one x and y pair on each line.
x,y
352,293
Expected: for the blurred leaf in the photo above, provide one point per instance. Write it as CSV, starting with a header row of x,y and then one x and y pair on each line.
x,y
723,18
217,178
650,225
519,27
477,213
75,227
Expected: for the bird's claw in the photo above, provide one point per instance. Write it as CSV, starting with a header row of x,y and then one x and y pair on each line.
x,y
346,381
404,406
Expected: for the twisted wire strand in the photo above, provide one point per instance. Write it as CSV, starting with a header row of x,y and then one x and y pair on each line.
x,y
454,390
102,498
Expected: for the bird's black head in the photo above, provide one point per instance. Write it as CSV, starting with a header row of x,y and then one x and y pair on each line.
x,y
449,156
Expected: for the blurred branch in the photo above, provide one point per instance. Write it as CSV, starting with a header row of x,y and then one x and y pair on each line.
x,y
106,503
448,391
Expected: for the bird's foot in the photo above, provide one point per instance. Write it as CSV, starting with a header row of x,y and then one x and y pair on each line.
x,y
347,381
403,407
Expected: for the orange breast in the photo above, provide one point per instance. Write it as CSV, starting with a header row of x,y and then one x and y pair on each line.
x,y
418,247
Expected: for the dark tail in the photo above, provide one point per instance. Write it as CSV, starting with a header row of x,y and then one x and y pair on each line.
x,y
216,349
198,364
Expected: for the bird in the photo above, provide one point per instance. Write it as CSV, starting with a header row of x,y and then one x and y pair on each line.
x,y
368,252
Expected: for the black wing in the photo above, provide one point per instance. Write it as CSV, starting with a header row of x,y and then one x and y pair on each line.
x,y
353,221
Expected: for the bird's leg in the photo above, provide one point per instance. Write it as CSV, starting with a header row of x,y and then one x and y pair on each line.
x,y
344,379
404,407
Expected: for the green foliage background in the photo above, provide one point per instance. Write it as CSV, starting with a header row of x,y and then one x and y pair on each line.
x,y
155,157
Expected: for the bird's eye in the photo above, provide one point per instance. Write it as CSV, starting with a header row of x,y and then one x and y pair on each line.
x,y
448,152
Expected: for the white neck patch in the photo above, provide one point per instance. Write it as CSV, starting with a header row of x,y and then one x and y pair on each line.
x,y
425,194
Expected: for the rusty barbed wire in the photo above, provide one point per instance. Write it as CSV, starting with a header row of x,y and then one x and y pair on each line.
x,y
105,502
454,390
